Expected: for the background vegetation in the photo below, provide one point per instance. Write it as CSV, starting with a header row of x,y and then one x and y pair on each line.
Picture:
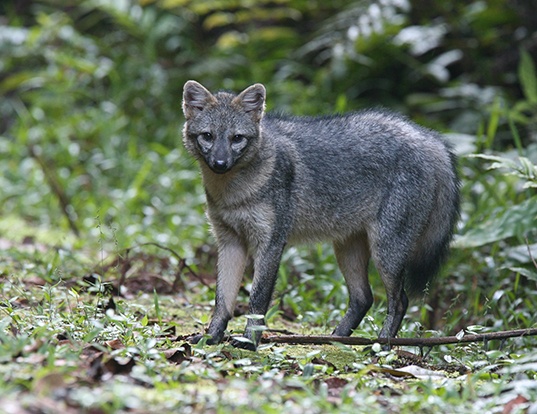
x,y
92,169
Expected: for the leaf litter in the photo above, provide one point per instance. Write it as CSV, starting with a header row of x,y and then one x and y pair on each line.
x,y
151,352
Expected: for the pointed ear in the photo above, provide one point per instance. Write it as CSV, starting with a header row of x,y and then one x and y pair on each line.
x,y
195,98
252,99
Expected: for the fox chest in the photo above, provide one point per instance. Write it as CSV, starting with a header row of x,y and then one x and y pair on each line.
x,y
252,223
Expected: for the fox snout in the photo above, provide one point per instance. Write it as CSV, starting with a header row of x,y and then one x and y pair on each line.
x,y
219,166
219,156
216,152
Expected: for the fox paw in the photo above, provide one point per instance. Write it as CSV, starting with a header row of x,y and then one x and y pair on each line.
x,y
243,343
194,339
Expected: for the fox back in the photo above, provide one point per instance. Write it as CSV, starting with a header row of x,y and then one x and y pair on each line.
x,y
375,184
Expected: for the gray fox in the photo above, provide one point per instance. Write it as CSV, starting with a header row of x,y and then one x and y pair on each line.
x,y
373,183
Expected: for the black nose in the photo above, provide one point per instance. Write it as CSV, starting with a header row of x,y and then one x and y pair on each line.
x,y
220,166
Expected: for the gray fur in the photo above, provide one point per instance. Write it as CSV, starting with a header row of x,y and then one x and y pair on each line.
x,y
375,184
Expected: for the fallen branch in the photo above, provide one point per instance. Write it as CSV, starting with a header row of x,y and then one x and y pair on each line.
x,y
419,342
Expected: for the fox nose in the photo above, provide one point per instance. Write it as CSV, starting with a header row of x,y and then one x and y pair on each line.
x,y
220,166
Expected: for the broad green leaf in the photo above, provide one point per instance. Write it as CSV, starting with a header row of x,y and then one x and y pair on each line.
x,y
524,169
502,162
528,76
512,222
530,274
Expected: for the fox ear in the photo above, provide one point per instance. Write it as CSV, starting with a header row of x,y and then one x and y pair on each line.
x,y
195,98
252,99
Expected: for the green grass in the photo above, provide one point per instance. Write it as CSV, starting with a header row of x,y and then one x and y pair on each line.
x,y
65,346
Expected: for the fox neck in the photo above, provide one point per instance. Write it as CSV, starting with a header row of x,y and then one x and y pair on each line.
x,y
242,182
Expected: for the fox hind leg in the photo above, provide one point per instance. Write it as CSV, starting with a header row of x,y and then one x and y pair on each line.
x,y
397,305
353,257
390,257
401,221
391,267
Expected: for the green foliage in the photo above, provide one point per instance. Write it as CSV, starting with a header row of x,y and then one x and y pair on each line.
x,y
528,77
62,347
91,162
90,134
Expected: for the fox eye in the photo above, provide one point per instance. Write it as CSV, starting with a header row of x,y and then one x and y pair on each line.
x,y
237,139
207,136
205,141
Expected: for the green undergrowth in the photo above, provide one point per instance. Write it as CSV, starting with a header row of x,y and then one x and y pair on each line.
x,y
72,339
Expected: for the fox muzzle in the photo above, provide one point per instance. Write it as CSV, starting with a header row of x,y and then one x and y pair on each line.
x,y
219,166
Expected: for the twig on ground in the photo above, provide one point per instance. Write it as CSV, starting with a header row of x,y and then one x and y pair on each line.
x,y
419,342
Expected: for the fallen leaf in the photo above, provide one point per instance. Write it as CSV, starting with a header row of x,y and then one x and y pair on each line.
x,y
116,366
320,361
514,403
114,344
50,382
34,280
335,387
167,331
102,364
179,355
398,373
335,382
422,373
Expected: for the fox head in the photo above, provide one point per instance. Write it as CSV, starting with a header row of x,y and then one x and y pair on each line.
x,y
223,129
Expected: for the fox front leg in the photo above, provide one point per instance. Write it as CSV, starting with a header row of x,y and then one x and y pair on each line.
x,y
266,264
232,257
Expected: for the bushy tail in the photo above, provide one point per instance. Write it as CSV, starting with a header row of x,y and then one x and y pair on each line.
x,y
433,246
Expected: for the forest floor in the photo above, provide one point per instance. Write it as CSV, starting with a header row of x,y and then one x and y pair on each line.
x,y
81,332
